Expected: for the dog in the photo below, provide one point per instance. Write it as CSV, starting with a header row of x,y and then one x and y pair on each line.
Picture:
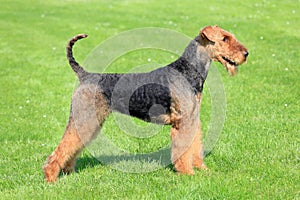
x,y
170,95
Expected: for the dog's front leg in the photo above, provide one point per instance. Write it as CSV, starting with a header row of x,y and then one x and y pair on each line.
x,y
198,152
182,152
183,135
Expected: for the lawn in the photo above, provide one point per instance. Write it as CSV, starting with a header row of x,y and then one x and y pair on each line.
x,y
257,155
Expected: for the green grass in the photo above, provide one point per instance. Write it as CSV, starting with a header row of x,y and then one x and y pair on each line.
x,y
257,155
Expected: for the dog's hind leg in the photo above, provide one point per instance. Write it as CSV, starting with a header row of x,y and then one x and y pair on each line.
x,y
88,112
69,146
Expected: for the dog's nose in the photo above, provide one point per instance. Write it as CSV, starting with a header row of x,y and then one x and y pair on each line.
x,y
246,53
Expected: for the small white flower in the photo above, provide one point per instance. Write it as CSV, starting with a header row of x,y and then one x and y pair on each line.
x,y
44,116
286,69
149,59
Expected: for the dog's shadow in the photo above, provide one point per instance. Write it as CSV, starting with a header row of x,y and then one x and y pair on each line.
x,y
88,161
132,163
85,162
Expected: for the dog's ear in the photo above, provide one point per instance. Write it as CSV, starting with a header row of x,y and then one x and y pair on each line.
x,y
209,33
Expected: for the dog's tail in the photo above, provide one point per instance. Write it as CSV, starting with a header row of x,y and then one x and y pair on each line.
x,y
80,72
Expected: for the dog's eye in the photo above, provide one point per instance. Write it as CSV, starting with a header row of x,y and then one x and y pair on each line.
x,y
225,39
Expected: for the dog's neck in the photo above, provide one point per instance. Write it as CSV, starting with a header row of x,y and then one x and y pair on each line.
x,y
197,55
194,64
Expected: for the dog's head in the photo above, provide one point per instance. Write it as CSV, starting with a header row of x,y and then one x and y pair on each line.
x,y
222,46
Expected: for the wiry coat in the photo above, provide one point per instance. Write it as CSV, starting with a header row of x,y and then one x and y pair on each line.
x,y
169,95
144,90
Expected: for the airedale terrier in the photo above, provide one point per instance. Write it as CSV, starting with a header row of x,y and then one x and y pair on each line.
x,y
169,95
